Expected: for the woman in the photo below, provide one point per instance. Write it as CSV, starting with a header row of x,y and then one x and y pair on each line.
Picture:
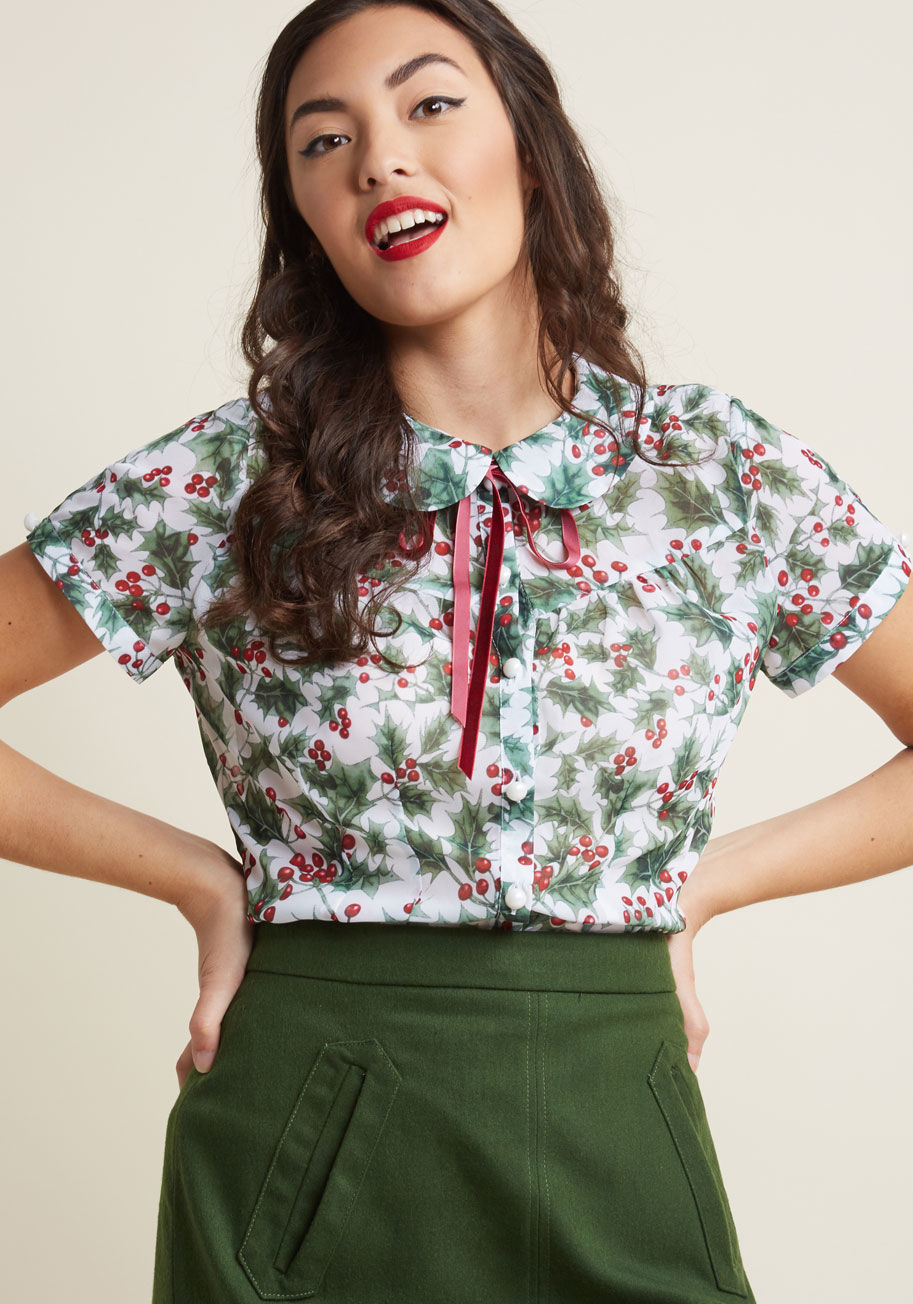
x,y
588,574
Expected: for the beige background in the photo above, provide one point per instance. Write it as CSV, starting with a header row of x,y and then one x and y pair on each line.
x,y
759,161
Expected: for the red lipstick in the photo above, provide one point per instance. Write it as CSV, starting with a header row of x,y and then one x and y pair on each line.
x,y
391,208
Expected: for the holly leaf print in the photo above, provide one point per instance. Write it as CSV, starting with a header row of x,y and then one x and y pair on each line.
x,y
139,493
257,806
763,431
208,516
577,697
428,851
435,735
416,799
108,617
690,504
643,647
700,668
800,557
651,709
576,625
470,840
568,766
839,531
563,484
627,677
860,574
340,691
545,593
565,813
704,628
390,742
767,519
618,502
436,686
687,760
576,886
274,696
103,558
695,400
117,523
353,783
750,565
259,757
807,664
229,680
443,475
643,872
780,479
169,553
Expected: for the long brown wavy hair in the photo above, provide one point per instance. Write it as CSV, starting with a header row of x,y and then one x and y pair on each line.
x,y
314,521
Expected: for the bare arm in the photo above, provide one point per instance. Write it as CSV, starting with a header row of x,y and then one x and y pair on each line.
x,y
49,823
859,832
52,824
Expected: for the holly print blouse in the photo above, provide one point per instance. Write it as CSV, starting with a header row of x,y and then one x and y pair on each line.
x,y
577,652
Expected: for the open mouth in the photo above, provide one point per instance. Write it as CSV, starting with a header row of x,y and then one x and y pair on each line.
x,y
387,236
409,238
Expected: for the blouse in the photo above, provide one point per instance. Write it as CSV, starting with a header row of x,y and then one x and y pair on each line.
x,y
576,653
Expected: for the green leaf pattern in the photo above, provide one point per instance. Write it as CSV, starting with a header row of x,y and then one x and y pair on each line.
x,y
633,668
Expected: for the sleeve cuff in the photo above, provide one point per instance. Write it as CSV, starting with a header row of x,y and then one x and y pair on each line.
x,y
838,644
84,594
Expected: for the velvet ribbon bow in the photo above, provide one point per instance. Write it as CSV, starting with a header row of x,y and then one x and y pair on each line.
x,y
468,690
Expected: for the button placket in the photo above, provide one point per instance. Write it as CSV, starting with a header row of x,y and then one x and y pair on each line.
x,y
516,745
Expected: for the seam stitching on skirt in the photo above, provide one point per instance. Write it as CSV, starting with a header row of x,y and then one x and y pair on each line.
x,y
546,1230
530,1134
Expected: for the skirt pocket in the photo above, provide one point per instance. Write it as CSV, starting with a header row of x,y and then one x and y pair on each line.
x,y
681,1104
317,1169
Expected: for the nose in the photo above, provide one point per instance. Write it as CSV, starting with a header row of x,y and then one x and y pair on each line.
x,y
386,154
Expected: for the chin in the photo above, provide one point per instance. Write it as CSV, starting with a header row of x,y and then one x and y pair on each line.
x,y
414,304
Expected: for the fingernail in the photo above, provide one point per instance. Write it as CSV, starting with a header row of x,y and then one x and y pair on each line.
x,y
202,1060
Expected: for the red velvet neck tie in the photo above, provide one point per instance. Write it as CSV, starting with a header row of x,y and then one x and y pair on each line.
x,y
467,692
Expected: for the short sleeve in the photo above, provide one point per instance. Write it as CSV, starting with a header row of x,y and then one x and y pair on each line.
x,y
138,548
837,569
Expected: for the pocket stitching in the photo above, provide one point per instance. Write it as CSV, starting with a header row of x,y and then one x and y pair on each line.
x,y
725,1269
306,1291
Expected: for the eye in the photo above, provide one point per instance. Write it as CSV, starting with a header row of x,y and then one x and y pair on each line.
x,y
310,150
440,99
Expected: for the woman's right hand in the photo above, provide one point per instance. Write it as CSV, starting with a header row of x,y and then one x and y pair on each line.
x,y
225,938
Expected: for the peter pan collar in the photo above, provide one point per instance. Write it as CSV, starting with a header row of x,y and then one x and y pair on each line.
x,y
567,463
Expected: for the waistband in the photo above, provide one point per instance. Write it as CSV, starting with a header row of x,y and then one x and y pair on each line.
x,y
434,955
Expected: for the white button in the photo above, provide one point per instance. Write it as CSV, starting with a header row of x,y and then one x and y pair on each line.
x,y
515,897
31,520
512,666
516,790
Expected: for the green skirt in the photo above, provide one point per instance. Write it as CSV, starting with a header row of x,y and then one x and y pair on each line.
x,y
427,1115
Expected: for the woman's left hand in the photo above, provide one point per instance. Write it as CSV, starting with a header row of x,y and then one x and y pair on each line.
x,y
697,1026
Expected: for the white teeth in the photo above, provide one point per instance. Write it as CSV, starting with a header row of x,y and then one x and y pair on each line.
x,y
403,221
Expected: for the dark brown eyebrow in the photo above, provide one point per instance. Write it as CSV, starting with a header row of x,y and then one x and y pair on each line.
x,y
327,104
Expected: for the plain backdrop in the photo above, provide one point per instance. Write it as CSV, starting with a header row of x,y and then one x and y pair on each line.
x,y
757,162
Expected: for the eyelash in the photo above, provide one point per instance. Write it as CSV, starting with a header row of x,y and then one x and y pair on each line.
x,y
310,152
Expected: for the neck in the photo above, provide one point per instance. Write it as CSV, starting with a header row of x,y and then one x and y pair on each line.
x,y
476,378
